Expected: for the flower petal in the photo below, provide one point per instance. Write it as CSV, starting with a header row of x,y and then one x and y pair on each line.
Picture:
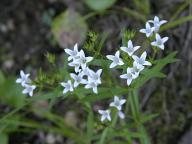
x,y
112,65
125,49
147,63
144,55
110,57
130,44
165,39
142,30
124,76
129,80
121,114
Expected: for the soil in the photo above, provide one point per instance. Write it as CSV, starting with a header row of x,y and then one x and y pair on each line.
x,y
25,37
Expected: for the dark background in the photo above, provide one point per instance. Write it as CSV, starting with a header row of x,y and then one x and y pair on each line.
x,y
25,36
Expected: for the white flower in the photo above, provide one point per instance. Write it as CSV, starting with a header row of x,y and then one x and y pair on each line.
x,y
157,23
76,65
130,49
136,69
83,60
117,103
141,60
159,41
91,84
116,59
73,54
148,30
29,89
105,114
24,79
128,76
95,76
85,71
78,79
121,114
67,86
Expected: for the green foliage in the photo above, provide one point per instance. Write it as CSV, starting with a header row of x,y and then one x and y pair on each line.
x,y
143,6
95,43
10,92
2,78
156,70
127,35
68,28
176,22
99,5
51,58
91,43
3,138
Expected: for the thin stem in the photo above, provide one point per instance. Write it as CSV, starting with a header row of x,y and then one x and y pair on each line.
x,y
107,130
135,109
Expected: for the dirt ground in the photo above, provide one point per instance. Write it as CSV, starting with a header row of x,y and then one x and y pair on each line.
x,y
25,36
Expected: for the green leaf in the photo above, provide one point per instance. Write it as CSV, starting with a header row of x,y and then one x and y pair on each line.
x,y
90,123
3,138
66,131
2,78
126,134
8,127
99,5
48,95
11,93
176,23
147,74
69,28
146,118
103,93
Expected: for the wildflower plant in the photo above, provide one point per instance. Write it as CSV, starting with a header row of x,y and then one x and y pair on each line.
x,y
91,79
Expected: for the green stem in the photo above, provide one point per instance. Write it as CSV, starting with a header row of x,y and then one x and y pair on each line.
x,y
135,109
107,130
134,104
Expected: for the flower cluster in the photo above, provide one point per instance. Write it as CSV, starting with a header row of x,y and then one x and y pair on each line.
x,y
25,81
138,64
149,31
83,74
117,103
91,79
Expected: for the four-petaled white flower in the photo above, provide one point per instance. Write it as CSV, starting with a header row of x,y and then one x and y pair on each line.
x,y
157,23
85,71
29,89
83,60
159,41
130,49
116,60
78,79
136,69
148,30
67,86
95,76
91,84
76,65
24,79
73,54
128,76
117,103
141,60
105,114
